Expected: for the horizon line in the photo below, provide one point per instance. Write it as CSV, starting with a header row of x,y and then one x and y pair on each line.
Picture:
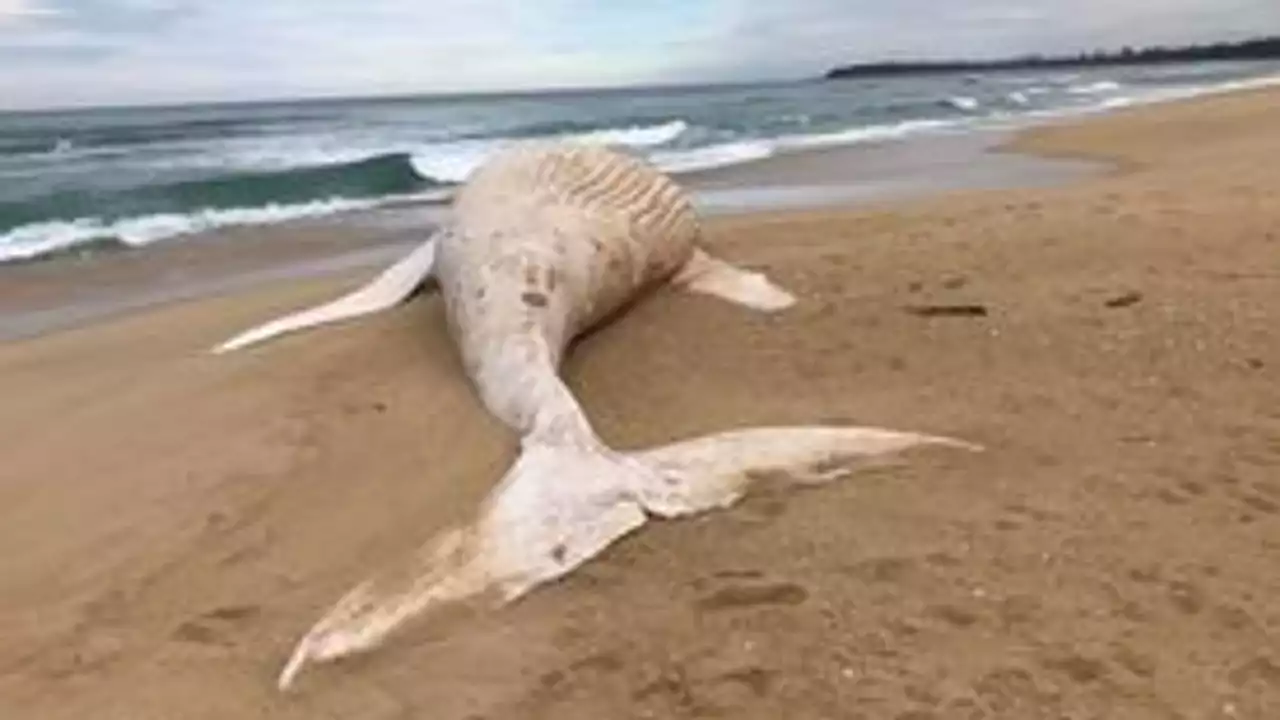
x,y
570,89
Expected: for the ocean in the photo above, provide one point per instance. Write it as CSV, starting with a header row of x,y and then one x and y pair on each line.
x,y
131,177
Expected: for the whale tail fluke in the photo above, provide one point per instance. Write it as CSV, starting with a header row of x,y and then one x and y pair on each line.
x,y
715,471
558,506
561,505
391,287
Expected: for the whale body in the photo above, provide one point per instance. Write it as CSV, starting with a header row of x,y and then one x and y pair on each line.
x,y
545,242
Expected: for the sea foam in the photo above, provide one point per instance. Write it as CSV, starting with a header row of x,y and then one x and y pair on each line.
x,y
1096,88
964,103
452,162
30,241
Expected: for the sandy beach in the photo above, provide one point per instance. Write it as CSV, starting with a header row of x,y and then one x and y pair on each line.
x,y
174,521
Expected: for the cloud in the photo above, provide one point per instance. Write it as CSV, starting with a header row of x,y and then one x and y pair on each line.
x,y
112,51
13,12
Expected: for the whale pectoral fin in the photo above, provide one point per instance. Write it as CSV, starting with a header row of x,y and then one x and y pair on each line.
x,y
555,509
715,471
708,275
391,287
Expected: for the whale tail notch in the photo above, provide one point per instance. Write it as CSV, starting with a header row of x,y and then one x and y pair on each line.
x,y
391,287
560,505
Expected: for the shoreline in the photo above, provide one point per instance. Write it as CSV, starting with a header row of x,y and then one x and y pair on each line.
x,y
65,292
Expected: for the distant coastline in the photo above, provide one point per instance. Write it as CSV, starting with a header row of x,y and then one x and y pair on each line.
x,y
1267,48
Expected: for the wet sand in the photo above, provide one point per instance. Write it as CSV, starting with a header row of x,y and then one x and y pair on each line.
x,y
175,521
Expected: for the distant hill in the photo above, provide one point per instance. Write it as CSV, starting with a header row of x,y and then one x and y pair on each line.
x,y
1258,49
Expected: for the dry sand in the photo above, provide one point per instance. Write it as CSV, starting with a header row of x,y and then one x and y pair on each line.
x,y
172,522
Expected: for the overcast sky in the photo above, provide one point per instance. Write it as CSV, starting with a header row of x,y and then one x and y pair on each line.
x,y
64,52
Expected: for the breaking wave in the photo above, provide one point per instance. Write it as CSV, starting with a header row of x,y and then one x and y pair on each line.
x,y
1096,88
375,177
61,236
964,103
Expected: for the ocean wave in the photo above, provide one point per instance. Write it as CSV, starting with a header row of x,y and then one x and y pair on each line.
x,y
438,160
1146,96
122,136
963,103
1256,83
375,177
869,133
447,155
1117,103
639,136
63,236
29,146
713,156
453,162
1096,88
267,198
140,215
745,151
1161,95
1018,98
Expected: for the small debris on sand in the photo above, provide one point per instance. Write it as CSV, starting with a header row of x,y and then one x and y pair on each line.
x,y
1123,301
956,311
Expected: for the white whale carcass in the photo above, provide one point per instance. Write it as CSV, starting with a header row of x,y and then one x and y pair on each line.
x,y
545,242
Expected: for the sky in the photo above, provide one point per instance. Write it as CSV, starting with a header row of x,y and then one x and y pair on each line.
x,y
88,52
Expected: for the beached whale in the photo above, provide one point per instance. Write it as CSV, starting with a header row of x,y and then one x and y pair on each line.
x,y
545,242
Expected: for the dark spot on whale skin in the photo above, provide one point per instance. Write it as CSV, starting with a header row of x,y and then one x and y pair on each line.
x,y
553,279
534,299
559,552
